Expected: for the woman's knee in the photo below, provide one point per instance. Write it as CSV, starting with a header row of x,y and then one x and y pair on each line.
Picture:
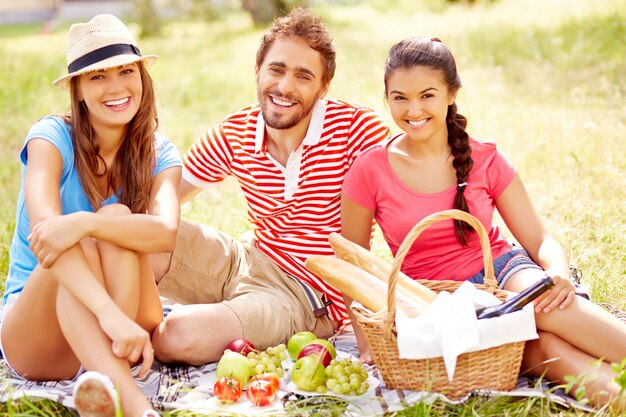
x,y
115,209
550,345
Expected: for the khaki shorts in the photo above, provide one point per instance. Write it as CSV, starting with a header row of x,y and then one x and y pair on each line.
x,y
209,266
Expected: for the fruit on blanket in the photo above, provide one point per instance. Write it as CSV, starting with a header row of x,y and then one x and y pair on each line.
x,y
329,346
227,390
297,342
308,373
316,349
270,377
260,392
234,365
242,346
346,377
269,360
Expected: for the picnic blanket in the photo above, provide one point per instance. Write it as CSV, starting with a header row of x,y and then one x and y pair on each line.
x,y
172,388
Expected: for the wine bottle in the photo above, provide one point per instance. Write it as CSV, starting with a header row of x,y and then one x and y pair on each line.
x,y
518,302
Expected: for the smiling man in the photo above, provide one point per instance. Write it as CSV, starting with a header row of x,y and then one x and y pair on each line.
x,y
289,152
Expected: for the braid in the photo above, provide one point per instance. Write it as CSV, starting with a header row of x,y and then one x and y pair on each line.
x,y
458,140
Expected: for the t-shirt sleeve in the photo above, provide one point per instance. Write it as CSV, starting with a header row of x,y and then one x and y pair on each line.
x,y
366,130
54,130
356,187
209,158
500,172
167,154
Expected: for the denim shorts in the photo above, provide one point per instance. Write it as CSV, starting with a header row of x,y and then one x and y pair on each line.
x,y
507,265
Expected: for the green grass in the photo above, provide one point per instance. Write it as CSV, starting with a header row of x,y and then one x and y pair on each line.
x,y
542,77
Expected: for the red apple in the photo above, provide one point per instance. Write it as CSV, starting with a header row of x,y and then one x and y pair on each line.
x,y
327,345
242,346
319,350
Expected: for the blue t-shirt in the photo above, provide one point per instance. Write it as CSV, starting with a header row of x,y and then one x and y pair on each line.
x,y
54,129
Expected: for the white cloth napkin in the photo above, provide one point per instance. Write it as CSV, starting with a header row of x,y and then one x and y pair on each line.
x,y
449,327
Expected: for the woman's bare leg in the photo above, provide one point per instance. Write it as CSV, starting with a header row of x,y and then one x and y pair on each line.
x,y
67,330
138,298
583,324
32,339
553,358
580,341
93,347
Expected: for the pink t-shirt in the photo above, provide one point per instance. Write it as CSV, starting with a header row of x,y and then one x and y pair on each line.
x,y
436,254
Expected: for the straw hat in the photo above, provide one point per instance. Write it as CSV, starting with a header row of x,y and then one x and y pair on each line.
x,y
103,42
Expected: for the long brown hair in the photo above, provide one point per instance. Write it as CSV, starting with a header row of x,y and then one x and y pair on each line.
x,y
130,175
432,53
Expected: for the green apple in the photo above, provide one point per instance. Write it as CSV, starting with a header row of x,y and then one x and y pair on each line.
x,y
327,345
308,373
297,342
234,365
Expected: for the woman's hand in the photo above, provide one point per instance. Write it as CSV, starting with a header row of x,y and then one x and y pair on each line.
x,y
560,296
54,235
129,340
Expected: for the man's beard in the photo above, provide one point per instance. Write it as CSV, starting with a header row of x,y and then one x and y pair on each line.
x,y
279,121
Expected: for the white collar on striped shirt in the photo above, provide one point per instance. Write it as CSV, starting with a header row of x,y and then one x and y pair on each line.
x,y
313,134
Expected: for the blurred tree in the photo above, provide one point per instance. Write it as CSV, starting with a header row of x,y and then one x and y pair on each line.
x,y
264,12
148,18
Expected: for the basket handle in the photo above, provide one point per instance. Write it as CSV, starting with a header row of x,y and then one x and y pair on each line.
x,y
490,280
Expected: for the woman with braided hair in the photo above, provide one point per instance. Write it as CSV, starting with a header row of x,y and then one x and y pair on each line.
x,y
435,165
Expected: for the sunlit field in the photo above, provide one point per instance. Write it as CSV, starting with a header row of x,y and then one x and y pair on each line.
x,y
544,78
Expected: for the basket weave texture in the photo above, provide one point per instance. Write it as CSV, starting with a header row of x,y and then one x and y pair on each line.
x,y
495,368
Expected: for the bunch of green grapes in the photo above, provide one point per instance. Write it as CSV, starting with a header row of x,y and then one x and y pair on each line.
x,y
345,377
269,360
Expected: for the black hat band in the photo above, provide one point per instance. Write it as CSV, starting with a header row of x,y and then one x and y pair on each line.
x,y
101,54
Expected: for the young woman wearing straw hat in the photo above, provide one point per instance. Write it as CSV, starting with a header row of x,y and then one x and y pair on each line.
x,y
98,195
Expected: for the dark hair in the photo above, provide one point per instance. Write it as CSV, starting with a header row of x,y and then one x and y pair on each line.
x,y
431,53
303,24
131,173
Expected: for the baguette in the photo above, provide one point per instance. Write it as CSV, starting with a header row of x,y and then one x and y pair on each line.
x,y
359,285
364,259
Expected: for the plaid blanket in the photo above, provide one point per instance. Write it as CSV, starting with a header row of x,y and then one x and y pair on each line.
x,y
172,388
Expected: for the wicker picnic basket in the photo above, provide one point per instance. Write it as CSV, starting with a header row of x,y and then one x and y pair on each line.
x,y
495,368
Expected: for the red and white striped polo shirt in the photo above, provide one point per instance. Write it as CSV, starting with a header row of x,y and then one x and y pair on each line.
x,y
293,209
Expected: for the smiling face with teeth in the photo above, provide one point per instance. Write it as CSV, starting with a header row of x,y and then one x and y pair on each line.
x,y
418,99
289,82
112,96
